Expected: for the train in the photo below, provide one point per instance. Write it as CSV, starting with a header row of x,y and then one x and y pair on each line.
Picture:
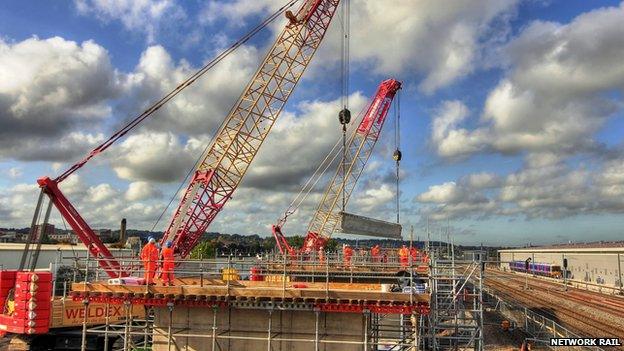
x,y
543,269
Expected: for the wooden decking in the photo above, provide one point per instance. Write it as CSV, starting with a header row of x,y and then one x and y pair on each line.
x,y
219,290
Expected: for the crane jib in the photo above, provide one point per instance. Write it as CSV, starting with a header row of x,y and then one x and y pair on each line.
x,y
358,151
248,123
236,144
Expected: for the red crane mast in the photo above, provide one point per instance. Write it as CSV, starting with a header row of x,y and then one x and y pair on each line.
x,y
244,130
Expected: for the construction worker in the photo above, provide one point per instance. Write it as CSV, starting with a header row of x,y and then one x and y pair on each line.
x,y
414,254
525,346
321,254
375,253
404,256
167,264
347,252
149,256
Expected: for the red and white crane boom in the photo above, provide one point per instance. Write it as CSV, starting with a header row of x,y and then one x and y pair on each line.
x,y
244,130
232,150
358,150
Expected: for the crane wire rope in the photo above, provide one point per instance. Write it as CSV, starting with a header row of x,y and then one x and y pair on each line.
x,y
345,115
316,176
186,83
397,153
311,183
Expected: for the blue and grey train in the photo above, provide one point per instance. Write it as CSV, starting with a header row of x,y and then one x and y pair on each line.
x,y
544,269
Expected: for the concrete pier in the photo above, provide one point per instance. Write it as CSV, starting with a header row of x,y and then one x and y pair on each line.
x,y
257,329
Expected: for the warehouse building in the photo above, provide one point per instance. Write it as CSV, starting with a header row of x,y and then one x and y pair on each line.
x,y
599,264
50,255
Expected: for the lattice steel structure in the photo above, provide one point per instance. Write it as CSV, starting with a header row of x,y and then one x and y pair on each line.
x,y
456,318
244,130
358,150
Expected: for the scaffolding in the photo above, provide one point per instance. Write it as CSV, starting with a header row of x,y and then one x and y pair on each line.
x,y
223,323
456,318
540,328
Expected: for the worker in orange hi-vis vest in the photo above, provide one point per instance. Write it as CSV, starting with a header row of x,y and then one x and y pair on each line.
x,y
321,254
347,252
375,253
149,256
404,256
414,254
167,264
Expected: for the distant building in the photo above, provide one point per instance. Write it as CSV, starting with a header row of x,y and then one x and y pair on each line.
x,y
66,238
592,263
49,230
8,237
50,255
104,234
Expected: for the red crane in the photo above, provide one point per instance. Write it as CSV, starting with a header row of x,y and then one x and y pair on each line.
x,y
230,154
224,164
358,150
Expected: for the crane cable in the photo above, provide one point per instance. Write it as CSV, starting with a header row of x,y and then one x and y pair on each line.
x,y
186,83
345,115
397,156
315,177
311,183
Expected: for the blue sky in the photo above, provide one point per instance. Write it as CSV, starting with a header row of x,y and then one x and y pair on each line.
x,y
511,112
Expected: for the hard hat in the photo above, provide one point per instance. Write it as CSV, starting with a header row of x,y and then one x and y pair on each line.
x,y
168,243
151,240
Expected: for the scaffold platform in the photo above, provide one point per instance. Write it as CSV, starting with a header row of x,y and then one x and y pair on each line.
x,y
330,297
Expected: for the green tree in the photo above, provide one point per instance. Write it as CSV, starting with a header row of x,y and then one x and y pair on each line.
x,y
206,249
332,245
295,241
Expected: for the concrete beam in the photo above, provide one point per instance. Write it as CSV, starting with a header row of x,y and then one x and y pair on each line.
x,y
359,225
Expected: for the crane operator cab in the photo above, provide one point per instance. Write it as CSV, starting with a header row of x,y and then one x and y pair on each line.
x,y
304,13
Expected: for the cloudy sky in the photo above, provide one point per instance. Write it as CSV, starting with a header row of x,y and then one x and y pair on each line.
x,y
511,112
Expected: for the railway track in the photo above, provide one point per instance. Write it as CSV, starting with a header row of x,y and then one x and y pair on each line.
x,y
582,323
609,304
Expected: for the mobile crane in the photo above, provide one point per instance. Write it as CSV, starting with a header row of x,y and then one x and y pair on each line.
x,y
214,180
357,152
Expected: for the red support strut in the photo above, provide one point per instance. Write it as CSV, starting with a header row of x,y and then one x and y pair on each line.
x,y
97,249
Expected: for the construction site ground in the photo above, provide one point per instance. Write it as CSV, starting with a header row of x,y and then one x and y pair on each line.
x,y
495,338
587,313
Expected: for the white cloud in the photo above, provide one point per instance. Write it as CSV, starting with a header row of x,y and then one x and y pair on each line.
x,y
147,16
201,107
440,41
101,205
447,138
236,11
141,191
152,156
375,197
48,88
300,141
557,93
101,193
15,172
483,180
546,187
